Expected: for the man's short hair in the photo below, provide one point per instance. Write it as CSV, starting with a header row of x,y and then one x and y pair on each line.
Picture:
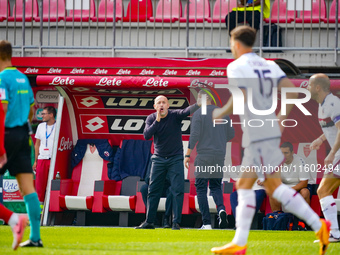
x,y
207,92
51,109
5,50
244,34
287,145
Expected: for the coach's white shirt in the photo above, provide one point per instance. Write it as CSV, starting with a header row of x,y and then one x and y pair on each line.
x,y
45,133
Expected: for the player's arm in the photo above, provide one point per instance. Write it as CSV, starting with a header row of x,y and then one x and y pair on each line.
x,y
330,157
286,83
31,113
227,109
36,153
315,145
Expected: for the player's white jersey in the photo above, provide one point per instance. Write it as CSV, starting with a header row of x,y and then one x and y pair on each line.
x,y
253,72
329,114
294,172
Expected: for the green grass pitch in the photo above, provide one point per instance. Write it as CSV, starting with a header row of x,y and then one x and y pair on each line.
x,y
111,240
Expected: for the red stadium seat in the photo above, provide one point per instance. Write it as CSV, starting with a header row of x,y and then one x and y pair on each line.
x,y
53,10
77,193
122,195
168,11
31,10
4,10
116,196
278,13
106,10
138,11
221,9
317,14
199,11
332,15
87,13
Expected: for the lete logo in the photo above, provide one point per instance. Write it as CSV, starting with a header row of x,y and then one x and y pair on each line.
x,y
65,145
11,186
59,81
156,83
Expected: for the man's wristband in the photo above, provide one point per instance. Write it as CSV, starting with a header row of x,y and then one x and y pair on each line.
x,y
321,139
187,156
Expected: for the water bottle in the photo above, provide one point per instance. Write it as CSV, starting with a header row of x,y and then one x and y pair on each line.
x,y
57,176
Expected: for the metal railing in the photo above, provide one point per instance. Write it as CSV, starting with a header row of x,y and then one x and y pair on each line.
x,y
106,27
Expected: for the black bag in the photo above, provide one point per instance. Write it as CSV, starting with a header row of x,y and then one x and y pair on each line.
x,y
278,221
275,37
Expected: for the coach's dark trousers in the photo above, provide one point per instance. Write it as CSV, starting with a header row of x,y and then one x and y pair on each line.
x,y
202,163
165,193
161,166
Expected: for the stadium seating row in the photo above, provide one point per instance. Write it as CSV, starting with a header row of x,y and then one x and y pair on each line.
x,y
280,14
167,11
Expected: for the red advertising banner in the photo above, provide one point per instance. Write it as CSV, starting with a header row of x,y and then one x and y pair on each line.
x,y
127,82
125,102
65,145
119,124
125,71
122,66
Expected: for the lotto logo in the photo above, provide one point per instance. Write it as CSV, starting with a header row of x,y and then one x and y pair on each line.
x,y
95,124
89,101
80,89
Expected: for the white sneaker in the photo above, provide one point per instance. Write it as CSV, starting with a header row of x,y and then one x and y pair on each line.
x,y
206,227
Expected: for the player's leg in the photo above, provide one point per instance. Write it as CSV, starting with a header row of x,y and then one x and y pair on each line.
x,y
294,203
244,216
25,181
328,185
291,201
16,222
13,139
246,207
